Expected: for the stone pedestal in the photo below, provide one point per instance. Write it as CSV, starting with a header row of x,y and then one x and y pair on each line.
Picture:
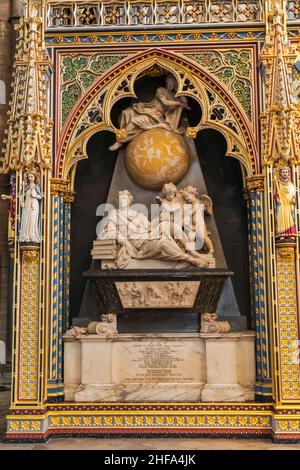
x,y
160,367
230,362
72,366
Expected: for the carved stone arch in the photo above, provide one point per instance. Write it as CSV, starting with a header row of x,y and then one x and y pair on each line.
x,y
220,109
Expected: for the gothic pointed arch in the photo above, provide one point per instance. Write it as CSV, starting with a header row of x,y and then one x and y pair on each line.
x,y
220,109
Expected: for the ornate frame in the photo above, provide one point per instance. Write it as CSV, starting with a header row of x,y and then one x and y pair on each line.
x,y
41,273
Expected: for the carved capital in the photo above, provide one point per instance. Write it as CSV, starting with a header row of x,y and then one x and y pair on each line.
x,y
255,183
58,186
61,187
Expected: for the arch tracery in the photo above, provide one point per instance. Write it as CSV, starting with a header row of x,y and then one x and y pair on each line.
x,y
220,110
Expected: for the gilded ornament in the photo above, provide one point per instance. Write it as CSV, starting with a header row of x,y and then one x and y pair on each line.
x,y
192,132
280,132
121,134
58,186
286,254
155,71
30,254
29,133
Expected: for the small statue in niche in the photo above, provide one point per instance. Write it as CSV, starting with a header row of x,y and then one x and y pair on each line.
x,y
163,111
285,199
30,201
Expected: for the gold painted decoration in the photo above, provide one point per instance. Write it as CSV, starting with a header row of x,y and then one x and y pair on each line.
x,y
220,111
58,186
27,373
156,157
280,121
28,137
287,318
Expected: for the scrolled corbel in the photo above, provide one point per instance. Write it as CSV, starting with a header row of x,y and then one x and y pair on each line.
x,y
107,325
211,324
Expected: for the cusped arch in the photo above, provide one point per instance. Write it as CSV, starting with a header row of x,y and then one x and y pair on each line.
x,y
220,109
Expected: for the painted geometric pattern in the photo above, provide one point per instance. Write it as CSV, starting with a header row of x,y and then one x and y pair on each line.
x,y
256,423
77,73
60,290
287,425
258,284
57,291
287,306
29,328
159,421
55,287
233,68
66,276
106,38
25,426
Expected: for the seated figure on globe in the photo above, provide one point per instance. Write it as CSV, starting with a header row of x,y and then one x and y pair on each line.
x,y
163,111
137,238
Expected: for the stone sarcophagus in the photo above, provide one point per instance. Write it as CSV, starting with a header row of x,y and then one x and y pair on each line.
x,y
118,291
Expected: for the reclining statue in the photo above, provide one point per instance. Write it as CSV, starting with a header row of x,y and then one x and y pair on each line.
x,y
138,238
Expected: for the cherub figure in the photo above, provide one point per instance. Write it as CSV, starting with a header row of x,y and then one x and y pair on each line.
x,y
198,230
172,219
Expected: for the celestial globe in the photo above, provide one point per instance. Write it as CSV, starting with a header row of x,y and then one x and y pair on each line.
x,y
155,157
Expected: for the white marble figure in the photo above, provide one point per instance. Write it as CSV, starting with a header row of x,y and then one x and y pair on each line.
x,y
30,199
163,111
137,240
191,196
